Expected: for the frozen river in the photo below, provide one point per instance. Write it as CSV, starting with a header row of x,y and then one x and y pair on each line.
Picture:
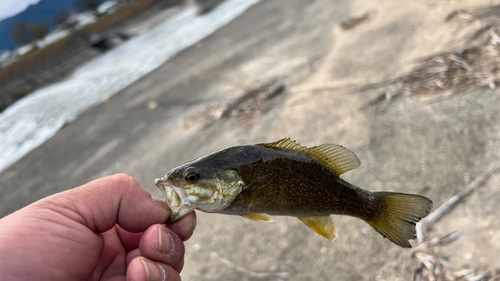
x,y
35,118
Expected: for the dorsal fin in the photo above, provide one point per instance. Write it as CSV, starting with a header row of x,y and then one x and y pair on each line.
x,y
335,157
285,145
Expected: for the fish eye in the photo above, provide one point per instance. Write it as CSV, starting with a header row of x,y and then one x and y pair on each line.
x,y
192,176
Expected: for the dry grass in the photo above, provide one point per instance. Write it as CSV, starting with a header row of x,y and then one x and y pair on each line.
x,y
245,110
36,56
433,267
122,14
354,21
454,70
253,101
486,20
474,63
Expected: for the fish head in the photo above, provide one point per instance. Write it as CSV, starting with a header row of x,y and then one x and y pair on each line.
x,y
193,186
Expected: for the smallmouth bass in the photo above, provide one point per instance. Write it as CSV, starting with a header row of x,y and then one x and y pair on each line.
x,y
286,179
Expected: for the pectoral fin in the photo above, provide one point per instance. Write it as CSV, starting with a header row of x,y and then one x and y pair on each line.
x,y
322,225
261,182
259,217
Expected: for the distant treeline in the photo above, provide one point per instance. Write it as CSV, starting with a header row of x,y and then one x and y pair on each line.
x,y
23,32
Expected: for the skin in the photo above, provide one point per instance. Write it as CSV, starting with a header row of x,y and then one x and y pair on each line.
x,y
108,229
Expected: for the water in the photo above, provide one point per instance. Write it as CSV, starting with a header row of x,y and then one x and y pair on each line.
x,y
34,119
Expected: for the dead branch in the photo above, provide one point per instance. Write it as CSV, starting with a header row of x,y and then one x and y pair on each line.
x,y
431,266
453,201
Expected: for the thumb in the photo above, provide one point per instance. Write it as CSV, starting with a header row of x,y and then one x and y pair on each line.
x,y
117,199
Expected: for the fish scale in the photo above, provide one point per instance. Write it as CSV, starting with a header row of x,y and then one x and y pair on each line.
x,y
286,179
318,193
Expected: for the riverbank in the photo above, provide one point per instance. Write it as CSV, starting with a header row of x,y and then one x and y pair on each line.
x,y
37,117
433,149
56,61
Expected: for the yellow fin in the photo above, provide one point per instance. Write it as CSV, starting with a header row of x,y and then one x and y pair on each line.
x,y
259,217
399,214
286,145
336,157
322,225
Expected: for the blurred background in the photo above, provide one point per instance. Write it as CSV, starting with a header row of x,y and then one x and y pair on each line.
x,y
90,88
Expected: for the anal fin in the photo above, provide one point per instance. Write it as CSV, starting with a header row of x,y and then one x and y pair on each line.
x,y
259,217
323,225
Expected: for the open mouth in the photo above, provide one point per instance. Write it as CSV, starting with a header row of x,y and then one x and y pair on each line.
x,y
176,198
172,197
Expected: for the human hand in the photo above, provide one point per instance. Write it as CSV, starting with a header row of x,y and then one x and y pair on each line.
x,y
108,229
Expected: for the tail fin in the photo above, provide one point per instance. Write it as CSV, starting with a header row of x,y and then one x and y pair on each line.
x,y
398,216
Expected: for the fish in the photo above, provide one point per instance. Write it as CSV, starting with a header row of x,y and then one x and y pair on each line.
x,y
284,178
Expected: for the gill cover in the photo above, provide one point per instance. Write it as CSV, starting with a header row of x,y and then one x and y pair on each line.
x,y
211,190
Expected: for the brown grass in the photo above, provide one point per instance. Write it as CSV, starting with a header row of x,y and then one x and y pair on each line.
x,y
245,110
454,70
354,21
431,265
36,56
474,63
127,12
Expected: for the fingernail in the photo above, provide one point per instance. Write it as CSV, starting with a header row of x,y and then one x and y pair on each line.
x,y
145,264
154,271
165,247
162,271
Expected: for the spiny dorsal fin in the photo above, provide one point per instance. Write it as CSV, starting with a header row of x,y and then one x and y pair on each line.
x,y
322,225
337,158
259,217
285,145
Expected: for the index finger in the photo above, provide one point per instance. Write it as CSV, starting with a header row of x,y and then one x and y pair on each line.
x,y
117,199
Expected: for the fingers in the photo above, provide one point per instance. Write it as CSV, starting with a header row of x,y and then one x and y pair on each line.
x,y
132,255
129,240
117,199
163,245
143,269
185,226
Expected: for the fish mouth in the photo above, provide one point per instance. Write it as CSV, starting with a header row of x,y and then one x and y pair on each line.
x,y
177,199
